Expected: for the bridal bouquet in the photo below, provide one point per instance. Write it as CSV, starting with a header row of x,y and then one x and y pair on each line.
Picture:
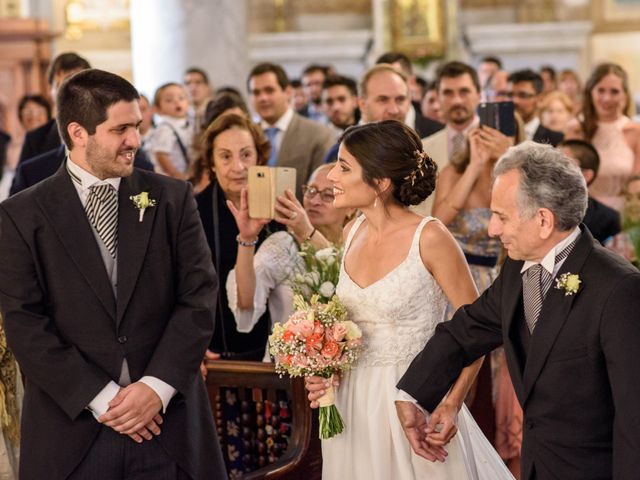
x,y
322,269
317,339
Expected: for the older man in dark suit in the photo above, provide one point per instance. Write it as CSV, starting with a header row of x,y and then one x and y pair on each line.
x,y
108,295
566,310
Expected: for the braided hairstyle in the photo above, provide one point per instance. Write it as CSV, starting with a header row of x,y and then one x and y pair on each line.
x,y
390,149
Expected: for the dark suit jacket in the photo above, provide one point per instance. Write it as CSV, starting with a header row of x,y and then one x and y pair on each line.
x,y
544,135
70,335
577,376
38,168
425,126
304,146
250,346
603,221
40,140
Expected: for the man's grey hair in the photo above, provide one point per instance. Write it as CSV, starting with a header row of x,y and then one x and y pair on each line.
x,y
548,179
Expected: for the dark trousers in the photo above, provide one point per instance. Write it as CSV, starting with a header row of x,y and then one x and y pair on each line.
x,y
114,456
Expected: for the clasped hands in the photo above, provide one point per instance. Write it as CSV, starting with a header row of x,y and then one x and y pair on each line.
x,y
134,411
426,437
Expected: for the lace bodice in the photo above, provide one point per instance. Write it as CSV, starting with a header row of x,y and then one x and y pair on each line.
x,y
399,312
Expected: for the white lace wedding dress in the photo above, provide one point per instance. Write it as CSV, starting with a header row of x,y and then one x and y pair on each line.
x,y
397,315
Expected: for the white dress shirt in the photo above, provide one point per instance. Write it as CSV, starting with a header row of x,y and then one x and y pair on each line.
x,y
100,403
282,125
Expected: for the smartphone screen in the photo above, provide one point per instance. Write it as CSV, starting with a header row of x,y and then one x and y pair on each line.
x,y
498,115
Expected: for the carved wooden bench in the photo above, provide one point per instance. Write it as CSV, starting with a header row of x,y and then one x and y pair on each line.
x,y
265,426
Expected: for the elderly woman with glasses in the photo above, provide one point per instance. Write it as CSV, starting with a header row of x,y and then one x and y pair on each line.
x,y
260,279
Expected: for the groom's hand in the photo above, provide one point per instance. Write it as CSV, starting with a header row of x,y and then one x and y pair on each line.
x,y
414,422
134,411
443,425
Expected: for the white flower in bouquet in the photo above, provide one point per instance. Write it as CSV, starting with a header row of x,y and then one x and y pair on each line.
x,y
312,278
326,254
327,289
353,331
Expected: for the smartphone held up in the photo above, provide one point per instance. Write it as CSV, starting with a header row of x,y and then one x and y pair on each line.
x,y
498,115
265,185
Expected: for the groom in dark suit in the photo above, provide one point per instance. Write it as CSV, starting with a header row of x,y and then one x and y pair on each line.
x,y
566,310
108,297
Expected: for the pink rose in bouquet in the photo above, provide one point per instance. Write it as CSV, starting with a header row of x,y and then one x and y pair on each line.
x,y
317,340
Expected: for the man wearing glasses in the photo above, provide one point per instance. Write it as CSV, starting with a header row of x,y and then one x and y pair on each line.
x,y
526,93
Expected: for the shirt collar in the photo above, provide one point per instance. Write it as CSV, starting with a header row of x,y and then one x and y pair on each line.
x,y
531,126
410,117
84,180
549,260
283,122
175,122
452,132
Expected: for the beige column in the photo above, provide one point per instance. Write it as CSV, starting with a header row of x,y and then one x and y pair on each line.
x,y
170,36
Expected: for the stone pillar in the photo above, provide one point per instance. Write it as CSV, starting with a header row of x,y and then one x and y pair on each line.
x,y
170,36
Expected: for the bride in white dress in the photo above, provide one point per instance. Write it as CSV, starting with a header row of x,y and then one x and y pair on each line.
x,y
396,270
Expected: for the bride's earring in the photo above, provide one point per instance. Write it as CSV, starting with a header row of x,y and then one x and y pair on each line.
x,y
375,202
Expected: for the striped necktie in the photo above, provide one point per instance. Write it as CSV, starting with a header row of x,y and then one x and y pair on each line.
x,y
102,211
536,282
458,144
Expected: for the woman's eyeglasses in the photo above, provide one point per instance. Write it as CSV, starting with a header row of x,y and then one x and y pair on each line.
x,y
326,195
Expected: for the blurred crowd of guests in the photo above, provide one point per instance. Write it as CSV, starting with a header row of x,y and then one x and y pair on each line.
x,y
210,136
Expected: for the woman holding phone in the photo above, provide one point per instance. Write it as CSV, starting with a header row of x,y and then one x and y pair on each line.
x,y
231,144
261,277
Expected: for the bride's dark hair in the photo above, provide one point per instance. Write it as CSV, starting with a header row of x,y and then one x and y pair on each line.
x,y
390,149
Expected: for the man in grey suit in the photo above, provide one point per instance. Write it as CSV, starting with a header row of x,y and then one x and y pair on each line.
x,y
108,298
296,141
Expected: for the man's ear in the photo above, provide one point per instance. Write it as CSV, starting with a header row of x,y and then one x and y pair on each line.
x,y
589,175
79,135
547,222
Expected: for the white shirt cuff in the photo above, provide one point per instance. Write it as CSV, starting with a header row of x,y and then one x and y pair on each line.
x,y
163,389
100,403
402,396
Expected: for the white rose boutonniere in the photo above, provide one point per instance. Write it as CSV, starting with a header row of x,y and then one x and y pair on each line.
x,y
569,282
142,201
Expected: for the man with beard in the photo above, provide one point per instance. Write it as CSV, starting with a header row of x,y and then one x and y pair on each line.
x,y
340,102
108,297
459,95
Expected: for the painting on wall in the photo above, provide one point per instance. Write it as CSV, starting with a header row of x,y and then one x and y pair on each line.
x,y
617,15
418,28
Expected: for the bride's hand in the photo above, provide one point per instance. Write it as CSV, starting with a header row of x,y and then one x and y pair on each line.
x,y
317,387
443,425
414,422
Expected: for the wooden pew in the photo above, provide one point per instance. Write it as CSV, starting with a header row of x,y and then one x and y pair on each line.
x,y
302,457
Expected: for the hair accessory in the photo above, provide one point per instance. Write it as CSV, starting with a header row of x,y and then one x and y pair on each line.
x,y
419,170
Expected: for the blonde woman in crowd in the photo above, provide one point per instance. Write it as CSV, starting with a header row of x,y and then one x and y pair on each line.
x,y
605,122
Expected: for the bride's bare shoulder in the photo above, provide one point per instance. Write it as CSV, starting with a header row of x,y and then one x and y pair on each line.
x,y
436,243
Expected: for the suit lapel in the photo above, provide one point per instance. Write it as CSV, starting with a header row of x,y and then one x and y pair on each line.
x,y
513,295
133,236
62,206
288,141
554,313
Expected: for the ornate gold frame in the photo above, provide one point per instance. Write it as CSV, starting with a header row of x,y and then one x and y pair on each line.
x,y
418,28
616,15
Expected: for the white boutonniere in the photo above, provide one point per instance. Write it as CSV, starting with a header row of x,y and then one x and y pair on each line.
x,y
142,202
569,282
